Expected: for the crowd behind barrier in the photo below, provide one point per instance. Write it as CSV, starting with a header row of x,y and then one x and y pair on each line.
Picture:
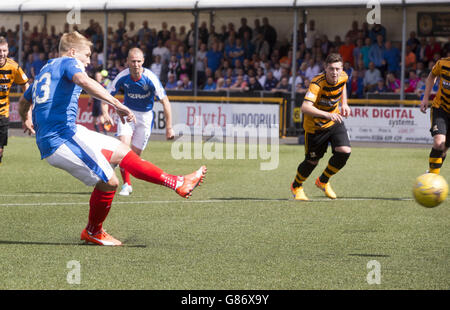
x,y
244,58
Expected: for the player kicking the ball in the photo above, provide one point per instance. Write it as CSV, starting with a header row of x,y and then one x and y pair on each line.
x,y
140,86
87,155
323,124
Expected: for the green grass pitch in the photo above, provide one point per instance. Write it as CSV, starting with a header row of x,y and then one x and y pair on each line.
x,y
240,230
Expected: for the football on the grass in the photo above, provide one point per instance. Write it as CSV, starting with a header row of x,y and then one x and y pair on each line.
x,y
430,190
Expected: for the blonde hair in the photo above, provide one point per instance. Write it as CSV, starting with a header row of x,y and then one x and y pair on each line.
x,y
73,40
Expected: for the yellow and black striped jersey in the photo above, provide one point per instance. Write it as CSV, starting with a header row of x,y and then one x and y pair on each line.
x,y
325,97
442,70
10,73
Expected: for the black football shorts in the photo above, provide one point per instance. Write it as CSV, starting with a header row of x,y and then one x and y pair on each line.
x,y
440,124
316,144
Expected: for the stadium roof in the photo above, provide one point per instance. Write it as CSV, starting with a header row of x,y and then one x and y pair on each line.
x,y
18,6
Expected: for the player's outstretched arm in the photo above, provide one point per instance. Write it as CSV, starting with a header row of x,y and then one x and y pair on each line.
x,y
168,115
25,115
96,90
431,79
344,103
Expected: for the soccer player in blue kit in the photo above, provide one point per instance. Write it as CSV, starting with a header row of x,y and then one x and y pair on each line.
x,y
87,155
140,87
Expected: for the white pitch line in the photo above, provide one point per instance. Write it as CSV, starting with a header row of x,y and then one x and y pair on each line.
x,y
199,201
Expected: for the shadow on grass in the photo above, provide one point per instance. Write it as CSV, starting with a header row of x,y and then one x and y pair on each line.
x,y
11,242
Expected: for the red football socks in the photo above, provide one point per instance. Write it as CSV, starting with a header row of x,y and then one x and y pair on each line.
x,y
100,204
145,170
125,176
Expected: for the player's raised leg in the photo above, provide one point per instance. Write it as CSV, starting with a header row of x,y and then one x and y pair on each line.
x,y
145,170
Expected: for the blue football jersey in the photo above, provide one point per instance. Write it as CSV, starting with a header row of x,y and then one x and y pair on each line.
x,y
55,103
138,95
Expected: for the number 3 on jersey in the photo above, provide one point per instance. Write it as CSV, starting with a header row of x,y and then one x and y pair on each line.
x,y
41,89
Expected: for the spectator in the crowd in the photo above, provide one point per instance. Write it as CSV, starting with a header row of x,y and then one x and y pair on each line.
x,y
253,84
244,28
420,90
413,42
376,53
37,65
271,82
312,70
420,51
392,83
183,69
184,83
262,47
201,63
433,47
276,69
260,76
371,77
143,31
220,86
256,28
346,50
413,80
210,84
357,55
120,29
353,32
282,86
171,81
365,52
131,30
237,52
303,88
164,33
349,70
162,51
214,57
381,87
203,33
249,47
190,36
302,70
172,41
357,85
377,29
156,66
269,32
410,59
391,57
311,34
28,66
